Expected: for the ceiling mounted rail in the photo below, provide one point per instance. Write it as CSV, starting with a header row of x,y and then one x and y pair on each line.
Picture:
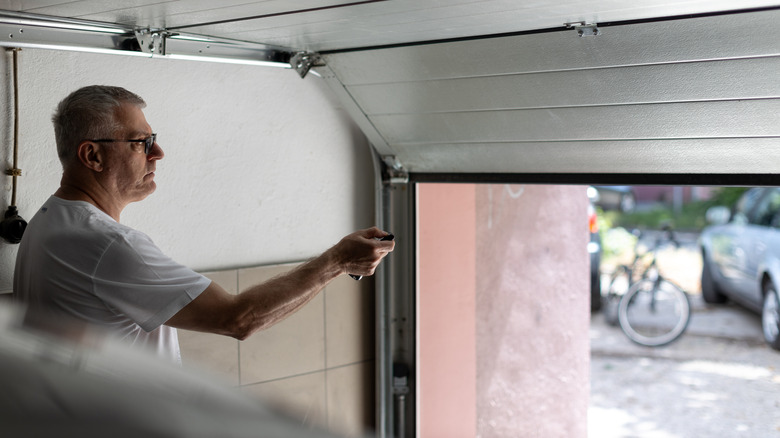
x,y
36,31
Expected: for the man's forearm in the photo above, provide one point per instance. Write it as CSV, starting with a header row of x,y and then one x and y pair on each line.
x,y
268,303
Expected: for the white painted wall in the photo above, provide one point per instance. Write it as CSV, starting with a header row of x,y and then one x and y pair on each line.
x,y
260,165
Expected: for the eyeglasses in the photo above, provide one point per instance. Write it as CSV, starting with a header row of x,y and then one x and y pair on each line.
x,y
148,142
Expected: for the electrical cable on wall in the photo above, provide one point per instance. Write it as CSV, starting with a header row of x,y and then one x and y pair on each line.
x,y
12,227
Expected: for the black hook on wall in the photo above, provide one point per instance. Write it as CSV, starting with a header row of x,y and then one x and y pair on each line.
x,y
12,227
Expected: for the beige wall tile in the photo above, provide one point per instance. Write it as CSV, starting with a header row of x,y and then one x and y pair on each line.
x,y
302,397
349,321
251,276
227,279
351,399
293,346
287,362
215,354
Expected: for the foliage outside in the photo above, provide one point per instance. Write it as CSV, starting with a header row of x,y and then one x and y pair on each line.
x,y
690,218
615,226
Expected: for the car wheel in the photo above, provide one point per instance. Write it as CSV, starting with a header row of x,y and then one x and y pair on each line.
x,y
709,289
770,317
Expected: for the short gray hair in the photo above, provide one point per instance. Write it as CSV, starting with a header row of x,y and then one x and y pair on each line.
x,y
89,113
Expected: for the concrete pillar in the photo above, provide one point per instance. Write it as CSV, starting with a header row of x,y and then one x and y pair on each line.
x,y
533,314
506,349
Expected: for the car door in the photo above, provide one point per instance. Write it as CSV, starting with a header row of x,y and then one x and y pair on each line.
x,y
754,243
728,242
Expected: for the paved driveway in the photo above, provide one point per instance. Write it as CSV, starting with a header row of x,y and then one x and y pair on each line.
x,y
718,380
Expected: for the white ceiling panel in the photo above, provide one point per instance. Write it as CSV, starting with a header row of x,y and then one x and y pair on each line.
x,y
322,25
175,13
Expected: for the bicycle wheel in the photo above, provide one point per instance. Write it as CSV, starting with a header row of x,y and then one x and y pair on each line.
x,y
654,312
619,283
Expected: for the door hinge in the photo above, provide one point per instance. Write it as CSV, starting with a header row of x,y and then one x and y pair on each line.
x,y
302,62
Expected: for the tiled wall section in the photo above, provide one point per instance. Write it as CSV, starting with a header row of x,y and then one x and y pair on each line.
x,y
318,363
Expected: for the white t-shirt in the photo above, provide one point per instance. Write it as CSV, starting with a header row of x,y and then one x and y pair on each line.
x,y
77,261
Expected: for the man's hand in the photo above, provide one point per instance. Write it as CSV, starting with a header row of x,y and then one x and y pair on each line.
x,y
361,252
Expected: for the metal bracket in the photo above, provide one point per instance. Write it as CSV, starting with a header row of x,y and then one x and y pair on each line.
x,y
394,171
153,41
302,62
583,28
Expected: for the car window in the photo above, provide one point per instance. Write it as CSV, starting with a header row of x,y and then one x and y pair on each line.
x,y
748,200
767,209
745,204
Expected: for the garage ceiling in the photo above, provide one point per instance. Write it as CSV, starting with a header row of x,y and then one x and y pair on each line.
x,y
684,91
323,25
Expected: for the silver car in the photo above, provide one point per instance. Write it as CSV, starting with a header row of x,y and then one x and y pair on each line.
x,y
741,257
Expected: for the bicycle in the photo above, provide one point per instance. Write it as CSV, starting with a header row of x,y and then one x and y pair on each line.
x,y
651,310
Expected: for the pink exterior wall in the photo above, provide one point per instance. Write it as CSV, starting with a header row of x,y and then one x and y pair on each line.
x,y
447,365
522,337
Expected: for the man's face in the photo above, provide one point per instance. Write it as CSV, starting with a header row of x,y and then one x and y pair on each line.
x,y
129,172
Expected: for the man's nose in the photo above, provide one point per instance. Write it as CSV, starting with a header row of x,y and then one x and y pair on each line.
x,y
156,152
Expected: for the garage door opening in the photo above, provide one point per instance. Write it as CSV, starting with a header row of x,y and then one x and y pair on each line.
x,y
507,341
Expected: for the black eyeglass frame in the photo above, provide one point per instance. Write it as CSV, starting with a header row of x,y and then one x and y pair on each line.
x,y
148,142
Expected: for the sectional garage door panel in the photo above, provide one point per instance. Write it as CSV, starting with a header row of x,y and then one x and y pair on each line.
x,y
729,119
707,38
662,83
688,156
696,95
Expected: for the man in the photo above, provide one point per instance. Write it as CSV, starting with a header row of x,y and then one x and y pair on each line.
x,y
77,261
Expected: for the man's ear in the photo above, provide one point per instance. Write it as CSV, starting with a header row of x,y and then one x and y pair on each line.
x,y
90,155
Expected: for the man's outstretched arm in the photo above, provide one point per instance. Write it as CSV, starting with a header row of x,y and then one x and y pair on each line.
x,y
263,305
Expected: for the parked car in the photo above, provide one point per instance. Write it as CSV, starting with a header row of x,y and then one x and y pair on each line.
x,y
620,198
594,249
741,257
